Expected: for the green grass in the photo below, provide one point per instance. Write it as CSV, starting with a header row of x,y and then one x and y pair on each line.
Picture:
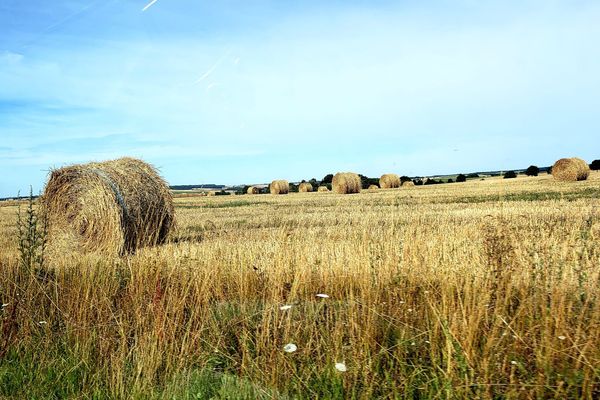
x,y
229,204
588,193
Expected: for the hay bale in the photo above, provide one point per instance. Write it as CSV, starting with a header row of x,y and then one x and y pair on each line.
x,y
346,183
253,190
570,169
323,189
407,184
211,193
279,187
114,206
389,181
305,187
373,187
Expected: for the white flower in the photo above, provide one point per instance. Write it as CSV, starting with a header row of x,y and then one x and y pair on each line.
x,y
42,322
562,337
285,307
341,367
513,362
290,348
4,305
323,295
413,344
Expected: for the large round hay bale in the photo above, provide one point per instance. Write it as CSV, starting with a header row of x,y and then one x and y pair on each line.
x,y
407,184
389,181
113,206
253,190
323,189
570,169
305,187
373,187
346,183
279,187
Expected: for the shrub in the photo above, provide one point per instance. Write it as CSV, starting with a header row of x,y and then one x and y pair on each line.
x,y
595,165
461,178
532,170
510,175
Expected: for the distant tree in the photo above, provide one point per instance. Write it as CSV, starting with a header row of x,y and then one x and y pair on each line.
x,y
314,183
327,179
404,178
595,165
461,178
532,171
549,170
418,182
450,180
510,174
366,181
294,188
473,175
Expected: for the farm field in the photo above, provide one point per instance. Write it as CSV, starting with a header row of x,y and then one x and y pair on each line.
x,y
485,289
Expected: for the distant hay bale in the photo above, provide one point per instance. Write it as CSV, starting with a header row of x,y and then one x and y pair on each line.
x,y
407,184
253,190
323,189
346,183
373,187
570,169
211,193
305,187
279,187
389,181
114,206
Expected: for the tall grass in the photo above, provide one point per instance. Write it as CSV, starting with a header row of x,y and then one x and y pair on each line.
x,y
427,299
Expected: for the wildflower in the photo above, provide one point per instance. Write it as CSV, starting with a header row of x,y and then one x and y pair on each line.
x,y
285,307
42,322
428,342
341,367
413,344
513,362
562,337
323,295
290,348
4,305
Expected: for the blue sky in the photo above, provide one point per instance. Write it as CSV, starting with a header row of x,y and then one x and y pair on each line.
x,y
250,91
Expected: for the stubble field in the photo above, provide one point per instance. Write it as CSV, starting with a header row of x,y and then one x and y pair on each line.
x,y
484,289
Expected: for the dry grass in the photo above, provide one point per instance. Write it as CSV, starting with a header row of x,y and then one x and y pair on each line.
x,y
488,289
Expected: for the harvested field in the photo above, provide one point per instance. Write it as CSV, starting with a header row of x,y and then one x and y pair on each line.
x,y
487,289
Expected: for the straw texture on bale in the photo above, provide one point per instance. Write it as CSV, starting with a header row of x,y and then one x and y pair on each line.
x,y
113,206
279,187
323,189
389,181
373,187
407,184
346,183
305,187
253,190
570,169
